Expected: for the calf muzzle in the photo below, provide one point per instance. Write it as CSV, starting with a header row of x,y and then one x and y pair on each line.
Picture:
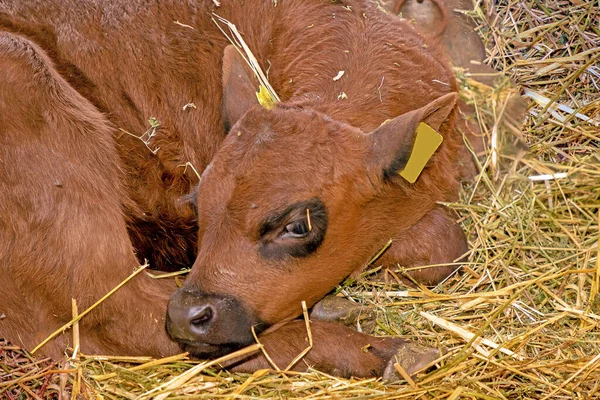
x,y
208,325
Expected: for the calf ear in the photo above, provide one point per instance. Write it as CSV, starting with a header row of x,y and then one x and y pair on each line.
x,y
239,86
393,142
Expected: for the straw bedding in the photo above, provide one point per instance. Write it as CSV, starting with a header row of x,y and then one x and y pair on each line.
x,y
522,318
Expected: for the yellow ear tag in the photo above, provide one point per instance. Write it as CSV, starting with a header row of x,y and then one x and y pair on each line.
x,y
426,143
264,99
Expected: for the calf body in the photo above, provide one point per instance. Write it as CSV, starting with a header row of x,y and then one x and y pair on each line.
x,y
291,201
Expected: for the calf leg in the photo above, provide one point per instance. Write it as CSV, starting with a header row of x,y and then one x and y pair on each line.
x,y
434,239
62,232
338,309
337,350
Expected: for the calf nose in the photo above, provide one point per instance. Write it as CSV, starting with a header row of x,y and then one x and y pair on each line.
x,y
208,324
190,321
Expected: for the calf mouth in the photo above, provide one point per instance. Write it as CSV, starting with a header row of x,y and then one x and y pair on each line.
x,y
209,351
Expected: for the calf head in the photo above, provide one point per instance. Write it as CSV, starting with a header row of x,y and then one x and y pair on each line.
x,y
293,203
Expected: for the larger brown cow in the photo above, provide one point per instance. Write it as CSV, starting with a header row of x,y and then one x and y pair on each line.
x,y
291,201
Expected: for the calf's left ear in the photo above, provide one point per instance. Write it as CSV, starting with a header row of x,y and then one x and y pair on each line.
x,y
392,144
239,86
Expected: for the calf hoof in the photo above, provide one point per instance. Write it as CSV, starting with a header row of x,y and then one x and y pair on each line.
x,y
412,358
338,309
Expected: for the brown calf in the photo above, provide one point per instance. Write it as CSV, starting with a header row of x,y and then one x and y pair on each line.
x,y
291,201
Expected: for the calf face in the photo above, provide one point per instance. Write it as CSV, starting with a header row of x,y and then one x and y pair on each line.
x,y
292,204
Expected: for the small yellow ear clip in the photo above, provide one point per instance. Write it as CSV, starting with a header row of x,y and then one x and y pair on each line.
x,y
264,99
426,143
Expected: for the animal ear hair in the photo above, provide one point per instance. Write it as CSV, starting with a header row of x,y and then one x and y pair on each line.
x,y
239,86
393,143
190,198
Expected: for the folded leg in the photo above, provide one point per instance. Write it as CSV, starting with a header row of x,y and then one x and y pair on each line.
x,y
337,350
435,239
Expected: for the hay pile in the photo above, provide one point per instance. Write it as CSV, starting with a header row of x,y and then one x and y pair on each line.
x,y
522,318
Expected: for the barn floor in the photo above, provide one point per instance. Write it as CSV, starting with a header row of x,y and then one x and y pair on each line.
x,y
521,320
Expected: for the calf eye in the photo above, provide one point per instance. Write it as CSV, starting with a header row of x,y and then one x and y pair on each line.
x,y
297,229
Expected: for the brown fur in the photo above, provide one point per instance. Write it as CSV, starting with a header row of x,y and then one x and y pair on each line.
x,y
63,235
333,350
77,194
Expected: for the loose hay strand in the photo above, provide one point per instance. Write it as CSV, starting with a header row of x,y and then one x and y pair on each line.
x,y
147,365
309,337
237,40
264,351
89,309
76,344
469,337
166,388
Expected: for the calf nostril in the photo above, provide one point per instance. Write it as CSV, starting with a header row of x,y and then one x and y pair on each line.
x,y
207,325
201,316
